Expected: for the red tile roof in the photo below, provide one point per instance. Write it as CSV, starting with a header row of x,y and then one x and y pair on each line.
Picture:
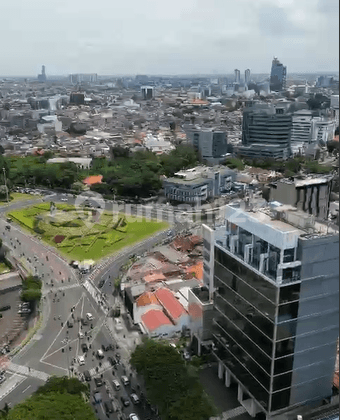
x,y
154,319
146,299
94,179
170,303
196,270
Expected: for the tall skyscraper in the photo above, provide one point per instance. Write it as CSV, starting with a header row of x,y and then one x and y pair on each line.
x,y
278,76
247,76
237,75
42,76
275,275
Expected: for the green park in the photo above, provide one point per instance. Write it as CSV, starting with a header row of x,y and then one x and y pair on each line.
x,y
84,233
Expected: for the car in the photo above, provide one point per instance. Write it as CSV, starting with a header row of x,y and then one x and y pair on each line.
x,y
116,384
63,199
101,283
125,401
84,347
133,416
100,354
111,361
84,322
2,379
69,324
118,356
125,380
81,360
106,347
97,397
98,381
118,324
80,335
87,376
134,398
89,316
108,407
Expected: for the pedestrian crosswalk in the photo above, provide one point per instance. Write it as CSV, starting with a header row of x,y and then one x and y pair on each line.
x,y
105,365
24,370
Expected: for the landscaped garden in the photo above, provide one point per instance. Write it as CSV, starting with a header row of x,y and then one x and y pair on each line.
x,y
84,233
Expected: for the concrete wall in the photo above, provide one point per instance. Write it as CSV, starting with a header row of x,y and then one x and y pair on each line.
x,y
315,351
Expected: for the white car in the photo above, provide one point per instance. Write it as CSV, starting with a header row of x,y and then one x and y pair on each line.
x,y
81,360
89,316
133,416
125,380
118,324
80,335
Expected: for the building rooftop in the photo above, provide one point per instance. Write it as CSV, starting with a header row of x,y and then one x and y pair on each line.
x,y
147,298
155,318
170,303
94,179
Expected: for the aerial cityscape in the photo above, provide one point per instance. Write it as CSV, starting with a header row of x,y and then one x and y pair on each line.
x,y
169,210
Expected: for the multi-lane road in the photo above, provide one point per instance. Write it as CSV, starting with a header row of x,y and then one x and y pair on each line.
x,y
55,349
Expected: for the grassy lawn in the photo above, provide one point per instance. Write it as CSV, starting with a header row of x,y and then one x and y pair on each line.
x,y
85,236
4,268
14,197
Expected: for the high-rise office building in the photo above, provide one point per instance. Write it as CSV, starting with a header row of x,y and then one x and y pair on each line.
x,y
247,76
148,92
211,144
278,76
42,77
266,130
273,273
237,76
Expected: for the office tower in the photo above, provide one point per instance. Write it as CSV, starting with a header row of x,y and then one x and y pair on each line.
x,y
83,77
211,144
278,76
42,77
275,274
247,76
237,76
266,130
302,128
148,92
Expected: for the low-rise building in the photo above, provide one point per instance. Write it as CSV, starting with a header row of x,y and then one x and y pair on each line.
x,y
198,184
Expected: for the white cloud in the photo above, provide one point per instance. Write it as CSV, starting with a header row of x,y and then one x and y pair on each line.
x,y
181,36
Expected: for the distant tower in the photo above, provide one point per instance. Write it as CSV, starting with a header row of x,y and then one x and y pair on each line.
x,y
278,76
42,76
247,76
237,75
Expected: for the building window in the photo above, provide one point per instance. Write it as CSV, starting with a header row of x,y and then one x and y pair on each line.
x,y
206,244
288,255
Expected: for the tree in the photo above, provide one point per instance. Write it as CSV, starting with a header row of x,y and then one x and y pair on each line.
x,y
170,384
3,192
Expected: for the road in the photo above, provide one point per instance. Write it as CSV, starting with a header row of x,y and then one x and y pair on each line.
x,y
54,350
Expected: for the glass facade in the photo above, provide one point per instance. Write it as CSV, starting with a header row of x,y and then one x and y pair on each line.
x,y
255,324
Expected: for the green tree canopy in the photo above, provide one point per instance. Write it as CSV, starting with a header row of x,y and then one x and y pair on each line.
x,y
170,385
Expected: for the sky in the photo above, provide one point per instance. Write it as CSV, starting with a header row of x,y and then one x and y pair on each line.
x,y
113,37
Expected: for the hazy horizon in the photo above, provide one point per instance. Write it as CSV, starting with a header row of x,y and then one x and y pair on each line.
x,y
162,38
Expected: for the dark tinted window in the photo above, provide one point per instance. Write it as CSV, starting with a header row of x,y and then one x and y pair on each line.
x,y
254,280
289,293
280,399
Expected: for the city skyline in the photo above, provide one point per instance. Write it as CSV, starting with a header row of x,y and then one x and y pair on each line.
x,y
152,38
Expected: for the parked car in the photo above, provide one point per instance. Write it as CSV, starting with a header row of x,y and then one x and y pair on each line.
x,y
101,283
69,324
80,335
133,416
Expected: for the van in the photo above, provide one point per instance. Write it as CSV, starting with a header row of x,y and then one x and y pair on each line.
x,y
108,407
